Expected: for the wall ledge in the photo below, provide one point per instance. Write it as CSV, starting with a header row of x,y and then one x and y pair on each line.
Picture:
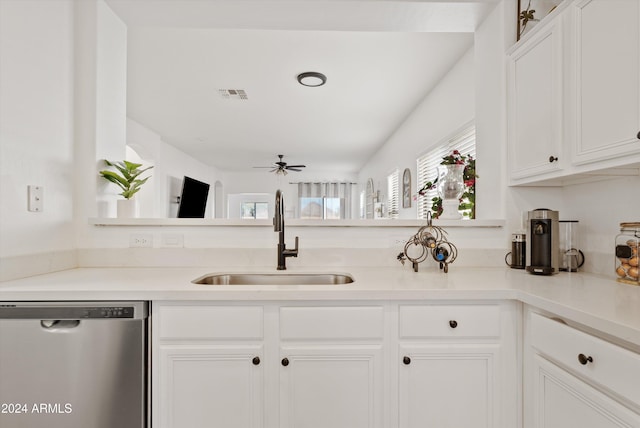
x,y
488,223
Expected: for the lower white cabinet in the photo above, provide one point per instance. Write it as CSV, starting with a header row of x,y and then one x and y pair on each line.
x,y
448,385
574,379
314,365
562,400
201,384
331,386
457,365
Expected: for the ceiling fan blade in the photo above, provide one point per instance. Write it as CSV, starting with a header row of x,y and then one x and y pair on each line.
x,y
294,169
296,166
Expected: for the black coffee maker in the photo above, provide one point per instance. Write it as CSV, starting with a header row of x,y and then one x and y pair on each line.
x,y
542,242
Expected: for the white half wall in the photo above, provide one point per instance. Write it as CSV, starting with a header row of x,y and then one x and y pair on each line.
x,y
36,125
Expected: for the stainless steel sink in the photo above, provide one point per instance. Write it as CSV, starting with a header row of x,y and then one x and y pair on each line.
x,y
275,279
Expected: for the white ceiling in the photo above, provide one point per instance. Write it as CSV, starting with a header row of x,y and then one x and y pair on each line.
x,y
380,57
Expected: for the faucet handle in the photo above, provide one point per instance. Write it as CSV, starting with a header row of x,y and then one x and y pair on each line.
x,y
296,247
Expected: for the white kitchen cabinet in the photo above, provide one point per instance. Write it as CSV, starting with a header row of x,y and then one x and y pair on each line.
x,y
448,385
573,91
535,104
207,366
331,386
573,378
331,366
202,384
562,400
319,365
456,366
607,79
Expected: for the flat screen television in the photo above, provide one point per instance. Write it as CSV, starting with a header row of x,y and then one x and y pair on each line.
x,y
193,199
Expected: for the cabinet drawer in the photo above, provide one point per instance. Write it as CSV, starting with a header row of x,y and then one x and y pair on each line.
x,y
302,323
594,359
449,321
210,322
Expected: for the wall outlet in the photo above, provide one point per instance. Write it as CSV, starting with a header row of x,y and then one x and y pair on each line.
x,y
36,198
139,240
171,240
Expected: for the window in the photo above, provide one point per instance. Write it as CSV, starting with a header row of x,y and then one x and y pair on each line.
x,y
394,194
464,141
325,200
254,210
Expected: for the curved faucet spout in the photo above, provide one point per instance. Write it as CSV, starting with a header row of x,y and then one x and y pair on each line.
x,y
278,219
278,226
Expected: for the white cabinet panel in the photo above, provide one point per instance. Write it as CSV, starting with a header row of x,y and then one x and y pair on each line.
x,y
331,386
563,401
204,386
535,104
607,48
594,359
448,386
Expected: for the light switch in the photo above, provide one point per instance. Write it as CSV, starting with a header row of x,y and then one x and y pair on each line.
x,y
36,198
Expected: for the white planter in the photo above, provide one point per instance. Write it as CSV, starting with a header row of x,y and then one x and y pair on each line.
x,y
127,208
450,210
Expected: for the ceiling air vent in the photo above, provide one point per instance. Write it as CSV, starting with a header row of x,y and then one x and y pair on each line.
x,y
233,94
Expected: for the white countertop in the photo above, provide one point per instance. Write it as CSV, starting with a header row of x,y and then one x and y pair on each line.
x,y
597,302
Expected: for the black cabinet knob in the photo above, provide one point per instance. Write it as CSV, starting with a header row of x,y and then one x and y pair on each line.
x,y
285,362
406,360
552,159
256,361
638,135
453,323
584,360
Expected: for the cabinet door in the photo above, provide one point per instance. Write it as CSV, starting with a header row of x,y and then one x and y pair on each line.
x,y
535,104
331,386
448,386
561,400
607,79
209,386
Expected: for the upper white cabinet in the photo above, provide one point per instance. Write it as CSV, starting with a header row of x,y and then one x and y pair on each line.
x,y
574,94
535,104
607,79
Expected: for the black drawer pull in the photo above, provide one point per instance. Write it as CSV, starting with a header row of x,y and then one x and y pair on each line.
x,y
406,360
453,323
285,362
584,360
552,159
256,361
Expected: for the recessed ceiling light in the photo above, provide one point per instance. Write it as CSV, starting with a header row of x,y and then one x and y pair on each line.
x,y
312,78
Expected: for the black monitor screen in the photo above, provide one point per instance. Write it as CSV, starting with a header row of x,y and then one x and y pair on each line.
x,y
193,200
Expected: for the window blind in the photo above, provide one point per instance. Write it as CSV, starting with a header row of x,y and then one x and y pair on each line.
x,y
394,194
463,141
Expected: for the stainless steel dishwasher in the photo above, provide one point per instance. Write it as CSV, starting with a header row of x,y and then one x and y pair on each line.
x,y
73,364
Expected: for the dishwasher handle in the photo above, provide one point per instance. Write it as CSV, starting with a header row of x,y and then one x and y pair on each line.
x,y
59,325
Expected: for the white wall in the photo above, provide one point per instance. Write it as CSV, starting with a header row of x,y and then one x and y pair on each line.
x,y
169,164
36,125
444,110
42,112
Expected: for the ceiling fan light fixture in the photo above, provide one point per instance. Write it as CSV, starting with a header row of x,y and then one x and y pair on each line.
x,y
312,79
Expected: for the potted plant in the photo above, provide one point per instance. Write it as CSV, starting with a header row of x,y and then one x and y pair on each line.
x,y
128,179
467,201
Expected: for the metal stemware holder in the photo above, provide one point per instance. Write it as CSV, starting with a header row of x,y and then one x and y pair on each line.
x,y
431,241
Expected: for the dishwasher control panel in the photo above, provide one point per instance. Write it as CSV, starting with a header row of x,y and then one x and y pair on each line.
x,y
68,312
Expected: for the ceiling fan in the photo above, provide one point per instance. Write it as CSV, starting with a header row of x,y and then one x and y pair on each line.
x,y
282,167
